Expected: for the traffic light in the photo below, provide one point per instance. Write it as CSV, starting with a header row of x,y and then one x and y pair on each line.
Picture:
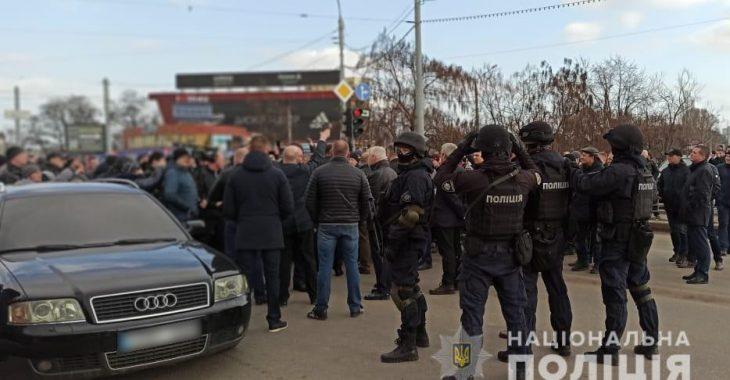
x,y
359,115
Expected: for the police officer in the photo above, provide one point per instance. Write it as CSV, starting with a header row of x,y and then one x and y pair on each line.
x,y
406,208
625,192
496,197
546,213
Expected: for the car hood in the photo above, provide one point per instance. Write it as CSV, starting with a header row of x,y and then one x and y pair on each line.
x,y
85,273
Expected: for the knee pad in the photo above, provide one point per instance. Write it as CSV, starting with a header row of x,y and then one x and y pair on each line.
x,y
403,297
641,294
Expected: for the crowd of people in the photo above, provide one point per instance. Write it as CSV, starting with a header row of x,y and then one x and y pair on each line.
x,y
290,220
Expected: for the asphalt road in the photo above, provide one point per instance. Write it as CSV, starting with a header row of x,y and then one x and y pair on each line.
x,y
346,348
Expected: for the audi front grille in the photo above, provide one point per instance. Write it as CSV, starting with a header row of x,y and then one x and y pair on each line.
x,y
149,303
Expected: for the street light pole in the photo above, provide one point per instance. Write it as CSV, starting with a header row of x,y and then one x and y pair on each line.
x,y
419,70
16,93
107,117
341,41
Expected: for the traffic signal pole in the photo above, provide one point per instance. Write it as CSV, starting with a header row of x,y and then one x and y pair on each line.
x,y
341,41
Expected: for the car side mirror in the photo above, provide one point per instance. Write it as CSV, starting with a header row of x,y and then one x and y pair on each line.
x,y
195,227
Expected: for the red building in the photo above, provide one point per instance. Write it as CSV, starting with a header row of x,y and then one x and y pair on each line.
x,y
282,105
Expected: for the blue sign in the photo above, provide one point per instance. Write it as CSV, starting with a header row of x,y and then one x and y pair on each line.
x,y
362,91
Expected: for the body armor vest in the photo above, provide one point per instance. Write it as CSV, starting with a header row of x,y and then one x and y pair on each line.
x,y
499,213
550,201
636,208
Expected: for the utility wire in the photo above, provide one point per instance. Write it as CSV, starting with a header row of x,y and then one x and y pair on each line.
x,y
512,12
292,51
614,36
227,9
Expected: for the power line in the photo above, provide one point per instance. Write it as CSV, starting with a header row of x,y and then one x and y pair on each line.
x,y
94,33
227,9
614,36
292,51
512,12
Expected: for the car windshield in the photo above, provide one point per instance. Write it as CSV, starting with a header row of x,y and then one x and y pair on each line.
x,y
75,220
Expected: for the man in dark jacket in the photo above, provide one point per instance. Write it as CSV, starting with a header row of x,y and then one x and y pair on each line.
x,y
180,194
670,186
338,199
12,171
723,204
696,210
205,176
380,178
583,213
258,198
447,223
215,198
298,228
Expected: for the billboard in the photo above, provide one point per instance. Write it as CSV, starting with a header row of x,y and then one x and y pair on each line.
x,y
258,79
87,138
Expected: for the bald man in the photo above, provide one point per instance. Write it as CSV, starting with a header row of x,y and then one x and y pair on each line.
x,y
298,228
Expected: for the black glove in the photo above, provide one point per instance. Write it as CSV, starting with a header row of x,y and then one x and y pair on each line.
x,y
466,144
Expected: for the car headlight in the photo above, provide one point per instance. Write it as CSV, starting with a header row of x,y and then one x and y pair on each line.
x,y
230,287
45,311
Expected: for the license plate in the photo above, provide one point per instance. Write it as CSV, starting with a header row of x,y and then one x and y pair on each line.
x,y
133,340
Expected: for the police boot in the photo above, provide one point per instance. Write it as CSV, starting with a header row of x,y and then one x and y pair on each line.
x,y
561,349
605,355
405,350
647,351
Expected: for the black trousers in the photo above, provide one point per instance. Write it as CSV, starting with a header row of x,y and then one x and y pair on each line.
x,y
448,241
246,259
299,248
380,264
561,315
617,275
487,264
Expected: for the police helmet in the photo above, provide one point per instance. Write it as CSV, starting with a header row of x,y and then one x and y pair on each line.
x,y
625,137
413,140
493,140
537,132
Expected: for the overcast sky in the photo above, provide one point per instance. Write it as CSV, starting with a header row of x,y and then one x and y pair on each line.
x,y
60,47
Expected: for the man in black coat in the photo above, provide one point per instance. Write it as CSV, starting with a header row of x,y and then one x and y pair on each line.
x,y
298,228
447,223
258,198
670,186
11,172
215,199
583,213
205,176
696,209
380,177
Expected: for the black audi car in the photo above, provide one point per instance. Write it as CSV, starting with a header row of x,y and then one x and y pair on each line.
x,y
100,279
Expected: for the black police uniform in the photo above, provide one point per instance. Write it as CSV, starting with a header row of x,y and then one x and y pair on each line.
x,y
494,218
625,191
410,195
546,214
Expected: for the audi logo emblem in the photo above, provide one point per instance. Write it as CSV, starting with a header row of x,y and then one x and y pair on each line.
x,y
155,302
